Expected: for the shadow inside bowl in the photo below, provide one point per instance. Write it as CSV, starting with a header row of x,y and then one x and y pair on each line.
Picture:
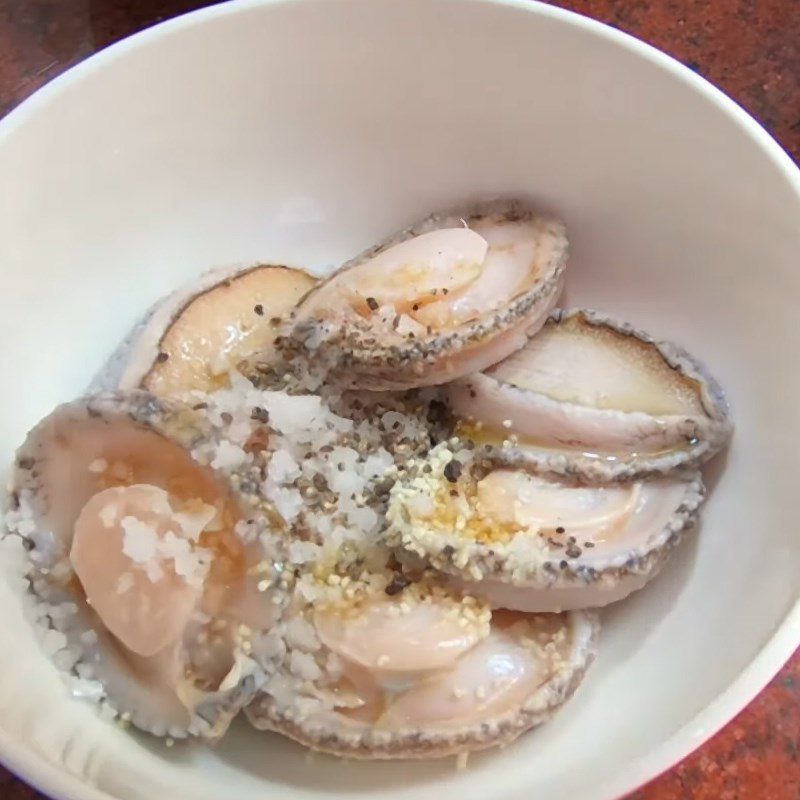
x,y
715,469
277,759
640,615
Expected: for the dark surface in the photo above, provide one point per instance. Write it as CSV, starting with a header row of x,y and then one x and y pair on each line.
x,y
751,49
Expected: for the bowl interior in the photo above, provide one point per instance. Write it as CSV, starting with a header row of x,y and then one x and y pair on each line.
x,y
299,132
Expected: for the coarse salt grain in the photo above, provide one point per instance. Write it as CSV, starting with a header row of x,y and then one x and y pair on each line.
x,y
85,688
228,456
108,515
288,502
302,635
303,552
282,467
304,666
195,517
140,540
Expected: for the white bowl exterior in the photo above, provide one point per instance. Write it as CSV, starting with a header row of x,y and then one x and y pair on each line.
x,y
301,132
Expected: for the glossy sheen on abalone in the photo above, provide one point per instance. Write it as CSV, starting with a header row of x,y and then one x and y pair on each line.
x,y
577,577
535,543
354,358
562,435
332,733
55,478
191,338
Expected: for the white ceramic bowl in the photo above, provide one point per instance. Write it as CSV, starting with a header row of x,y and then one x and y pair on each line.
x,y
302,131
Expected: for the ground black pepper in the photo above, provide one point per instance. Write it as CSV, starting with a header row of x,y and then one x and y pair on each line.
x,y
452,470
259,414
398,583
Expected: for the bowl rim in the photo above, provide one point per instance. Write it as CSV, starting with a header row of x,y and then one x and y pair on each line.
x,y
54,780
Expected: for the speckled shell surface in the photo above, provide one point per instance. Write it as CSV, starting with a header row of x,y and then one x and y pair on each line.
x,y
129,364
189,429
430,360
687,440
560,582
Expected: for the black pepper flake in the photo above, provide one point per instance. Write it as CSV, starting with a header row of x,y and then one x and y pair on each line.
x,y
560,529
396,322
437,412
445,291
415,307
259,309
162,357
473,394
448,551
259,414
563,565
275,321
372,303
588,544
452,470
398,583
25,463
226,417
200,406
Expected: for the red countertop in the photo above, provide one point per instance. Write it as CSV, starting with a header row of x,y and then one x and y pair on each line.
x,y
751,49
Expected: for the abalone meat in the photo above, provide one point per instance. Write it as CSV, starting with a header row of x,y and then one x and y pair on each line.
x,y
442,299
136,532
593,397
384,668
192,339
534,543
